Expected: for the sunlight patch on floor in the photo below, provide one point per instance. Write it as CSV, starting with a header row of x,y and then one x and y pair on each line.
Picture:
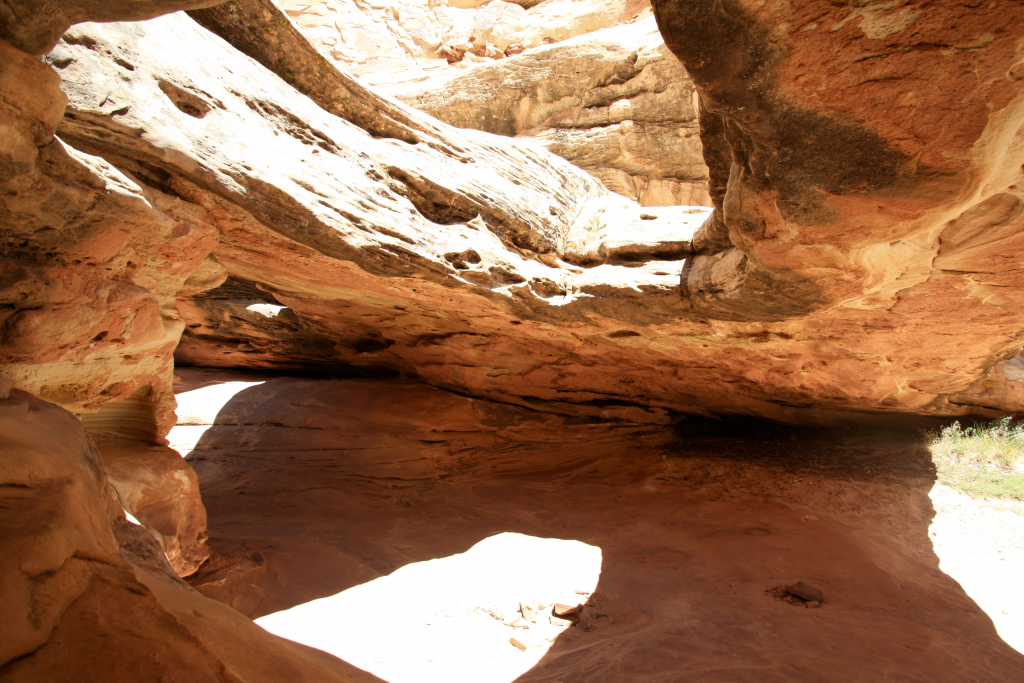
x,y
980,544
448,620
197,411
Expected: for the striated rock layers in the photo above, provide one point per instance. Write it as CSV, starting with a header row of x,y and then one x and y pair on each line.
x,y
614,102
383,43
590,81
209,185
360,236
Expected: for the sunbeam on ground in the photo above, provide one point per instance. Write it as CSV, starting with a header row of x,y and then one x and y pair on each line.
x,y
453,619
196,411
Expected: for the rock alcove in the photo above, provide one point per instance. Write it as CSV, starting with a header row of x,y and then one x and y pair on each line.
x,y
671,283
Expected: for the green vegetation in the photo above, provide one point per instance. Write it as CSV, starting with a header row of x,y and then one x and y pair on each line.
x,y
984,460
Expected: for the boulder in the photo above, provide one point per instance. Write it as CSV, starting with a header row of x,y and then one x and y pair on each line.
x,y
157,486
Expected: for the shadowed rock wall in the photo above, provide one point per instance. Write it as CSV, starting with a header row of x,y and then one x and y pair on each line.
x,y
861,154
89,596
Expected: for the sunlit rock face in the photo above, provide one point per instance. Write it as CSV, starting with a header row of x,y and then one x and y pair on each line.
x,y
383,43
590,81
614,102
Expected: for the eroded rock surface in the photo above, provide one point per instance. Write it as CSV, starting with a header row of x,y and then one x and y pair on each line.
x,y
213,173
160,490
615,102
92,262
315,486
861,156
366,237
384,43
90,597
591,82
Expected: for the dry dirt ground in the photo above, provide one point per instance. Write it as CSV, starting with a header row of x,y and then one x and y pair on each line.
x,y
314,487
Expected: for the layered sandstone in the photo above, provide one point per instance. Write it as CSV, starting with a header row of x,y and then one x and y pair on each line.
x,y
388,42
92,263
590,81
483,264
209,184
614,102
373,239
863,158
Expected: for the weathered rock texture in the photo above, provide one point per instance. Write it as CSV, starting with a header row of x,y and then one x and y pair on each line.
x,y
160,490
91,263
388,242
228,181
387,42
445,211
315,486
87,596
614,102
864,157
604,94
484,264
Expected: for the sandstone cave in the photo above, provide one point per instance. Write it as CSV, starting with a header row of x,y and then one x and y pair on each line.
x,y
490,341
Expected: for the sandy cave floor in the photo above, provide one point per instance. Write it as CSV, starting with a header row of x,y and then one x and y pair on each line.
x,y
314,487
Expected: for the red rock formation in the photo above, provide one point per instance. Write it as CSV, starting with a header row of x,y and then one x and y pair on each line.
x,y
227,179
156,486
472,262
92,262
315,486
87,596
860,155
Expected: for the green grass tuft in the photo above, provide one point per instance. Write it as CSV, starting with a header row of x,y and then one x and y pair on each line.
x,y
983,460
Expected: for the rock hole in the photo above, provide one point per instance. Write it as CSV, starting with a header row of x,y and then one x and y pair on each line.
x,y
371,345
186,102
461,260
434,203
84,41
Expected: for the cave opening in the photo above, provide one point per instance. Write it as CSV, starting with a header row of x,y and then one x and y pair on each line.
x,y
545,341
